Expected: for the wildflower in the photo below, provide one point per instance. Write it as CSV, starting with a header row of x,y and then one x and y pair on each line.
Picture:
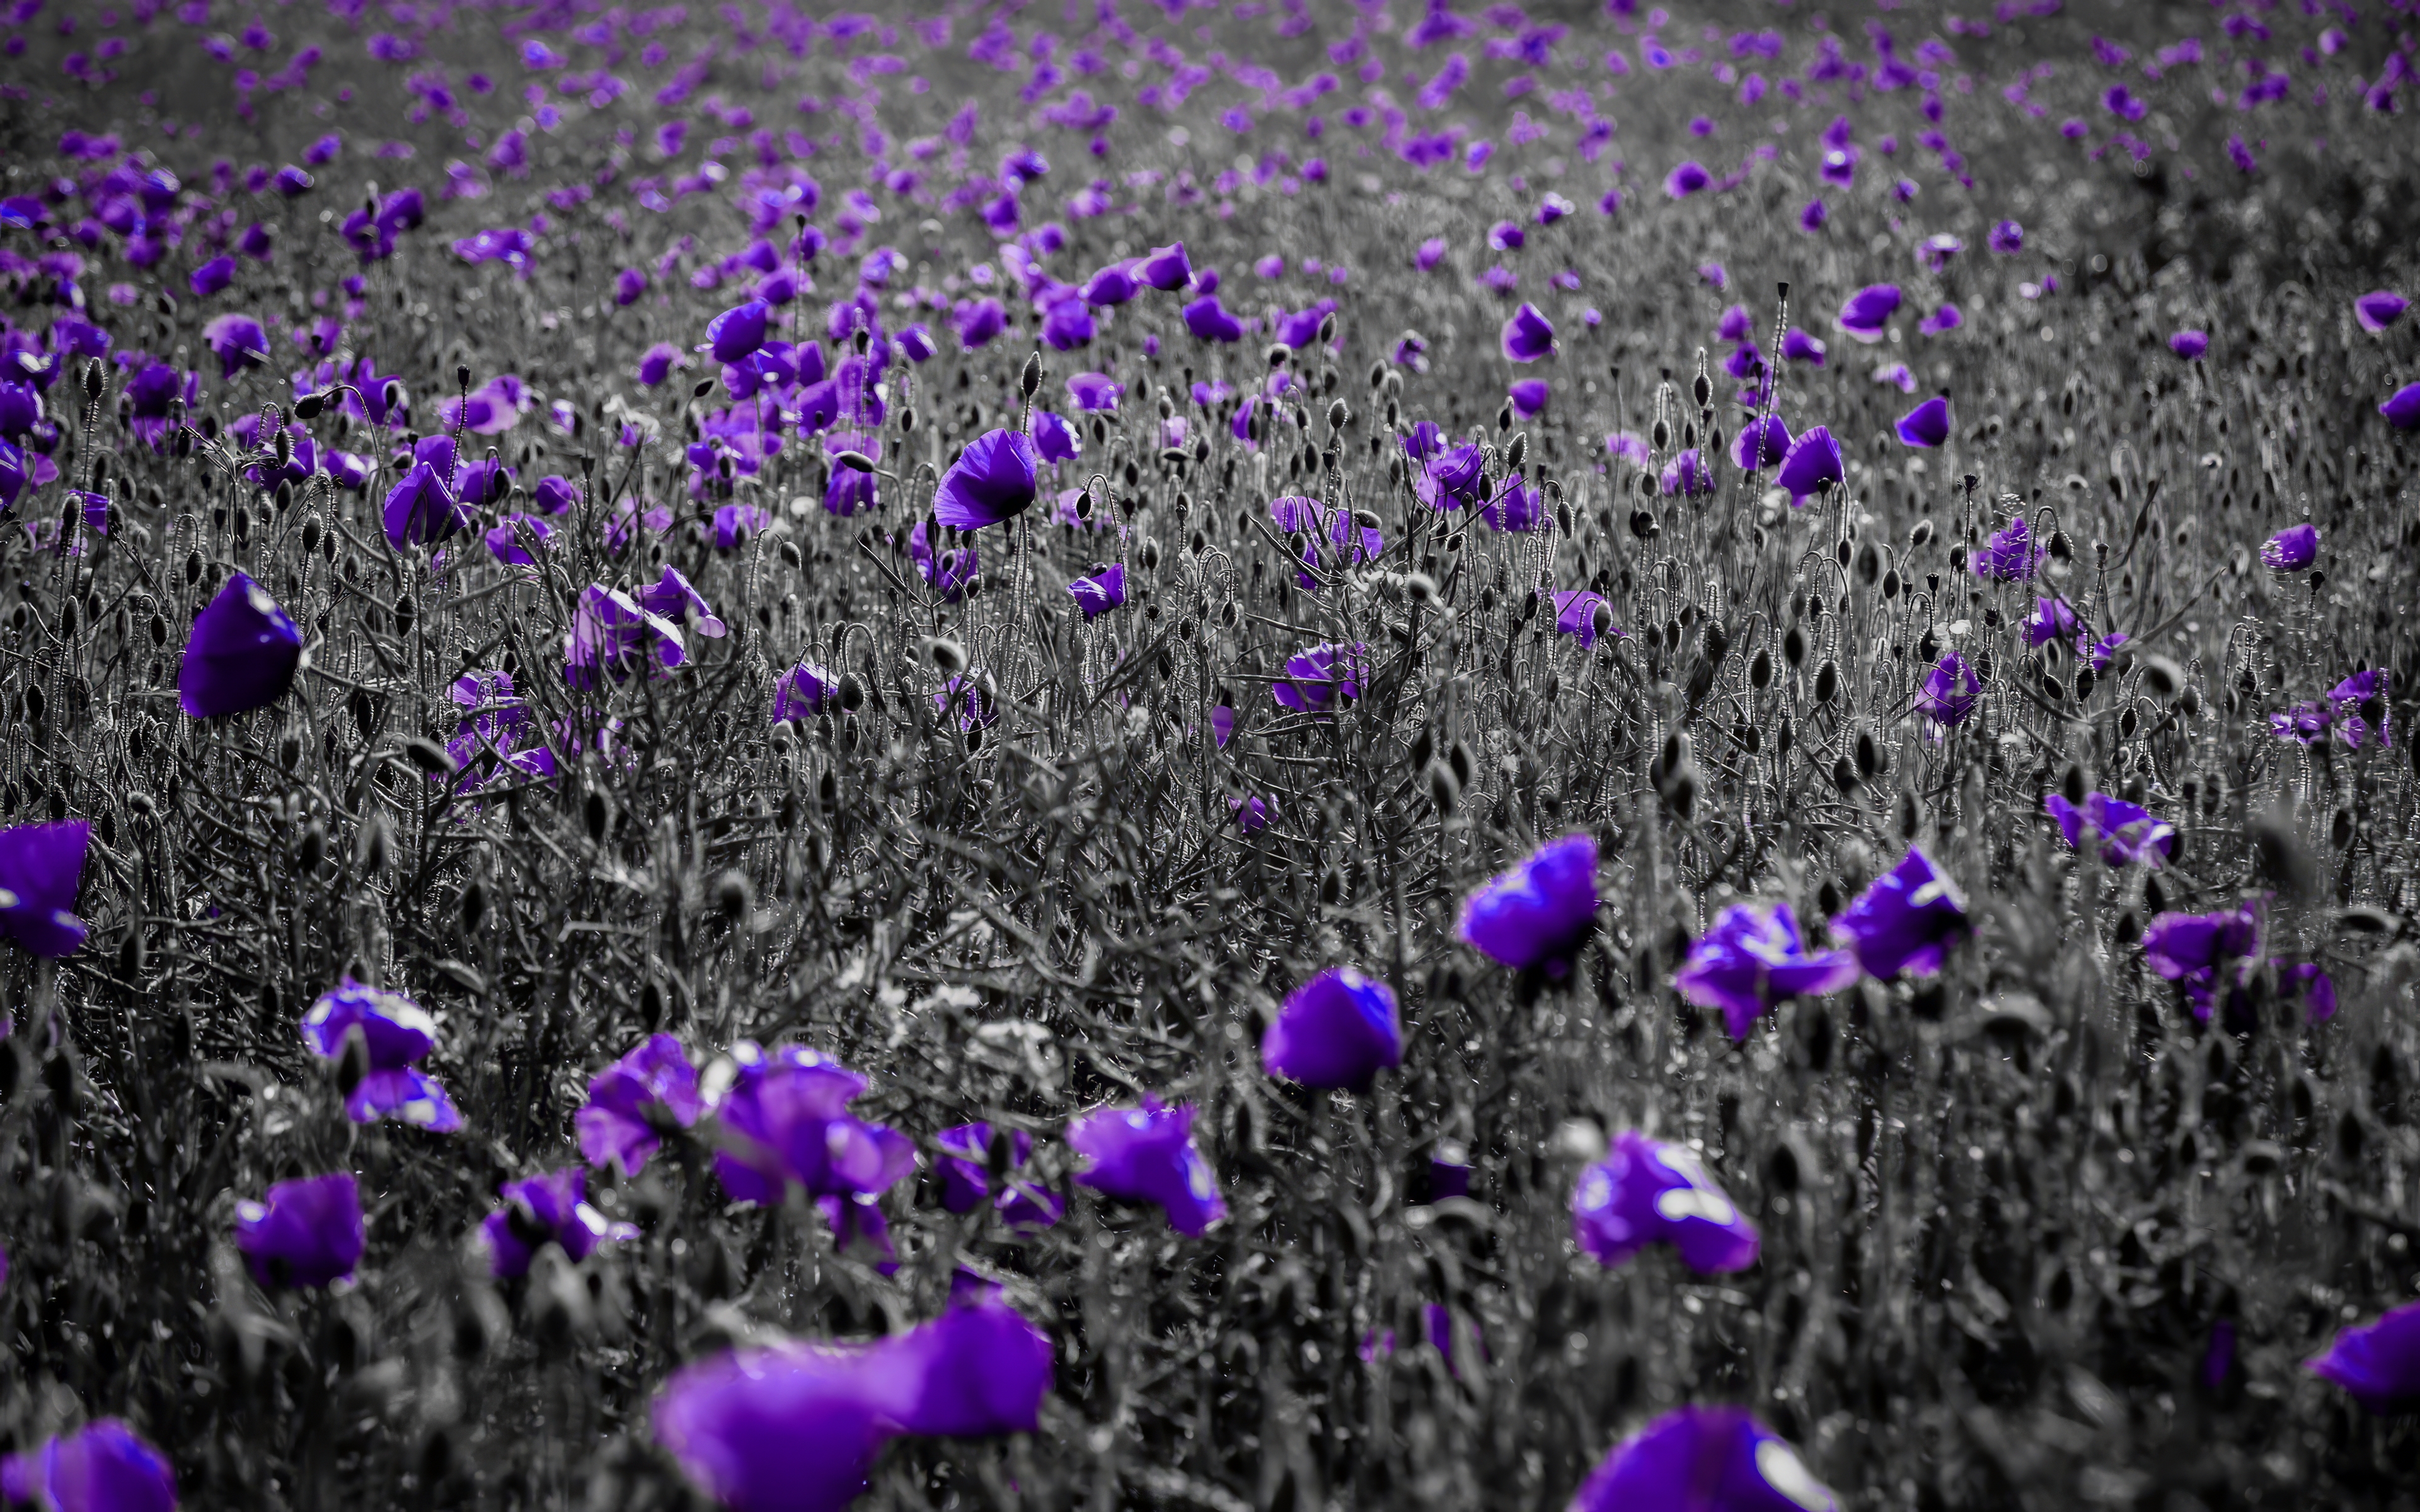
x,y
1208,320
676,600
609,632
781,1116
1539,913
1946,318
1100,593
738,332
2307,722
1866,313
979,322
1948,692
1703,1459
1685,476
212,277
991,481
1813,218
1529,396
1252,814
946,571
2402,408
1906,920
1095,391
303,1233
2009,555
1686,179
966,1182
2128,831
1452,478
1645,1191
1337,1030
1054,439
1317,678
1754,958
40,866
1813,464
2008,239
1927,424
542,1210
395,1033
2378,1364
1165,269
242,655
1147,1154
238,341
1798,346
634,1102
1516,509
1760,443
1934,252
2292,548
422,509
2379,309
2190,345
2193,948
105,1466
804,691
2358,708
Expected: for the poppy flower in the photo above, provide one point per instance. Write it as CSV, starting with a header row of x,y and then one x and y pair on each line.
x,y
783,1118
542,1210
1798,346
1754,958
2008,239
609,632
738,330
979,323
1703,1459
2190,345
965,1169
1453,477
1813,464
1760,443
1813,216
1516,509
1095,390
1111,286
1165,269
1209,320
675,599
1934,252
916,344
1539,911
1949,693
2128,831
1339,1030
2402,408
41,867
1687,475
1147,1154
2358,709
1686,179
2378,1364
2192,949
1944,318
1100,593
991,481
306,1232
105,1466
946,571
1646,1191
2052,619
1526,336
1866,313
242,655
422,509
1320,677
1054,439
1584,616
1251,815
396,1032
1067,325
212,277
1428,254
804,691
2292,548
1330,536
632,1102
238,341
1905,920
2380,309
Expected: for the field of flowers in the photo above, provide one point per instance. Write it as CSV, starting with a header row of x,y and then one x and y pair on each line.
x,y
1250,755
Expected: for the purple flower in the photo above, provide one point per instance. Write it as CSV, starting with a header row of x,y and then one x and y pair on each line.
x,y
991,481
1165,269
2052,619
1906,920
1147,1154
1687,474
40,866
1866,313
1944,318
1111,286
543,1209
2378,1364
1934,252
674,598
1645,1190
1813,217
1104,590
1428,254
1813,464
784,1118
2292,548
1949,693
2008,239
979,323
2193,948
105,1466
212,276
1095,390
1754,958
916,344
804,691
609,632
1703,1459
2402,408
2190,345
242,655
1337,1030
634,1102
2357,706
513,539
1927,424
2010,556
2380,309
1539,911
1453,478
395,1032
1798,346
1529,396
1517,509
2307,722
1251,815
1318,678
1054,439
303,1233
1583,614
1209,320
239,342
422,510
1686,179
966,1177
2128,831
1332,539
1760,443
738,332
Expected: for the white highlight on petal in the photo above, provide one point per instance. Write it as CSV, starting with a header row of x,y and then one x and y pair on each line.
x,y
1785,1472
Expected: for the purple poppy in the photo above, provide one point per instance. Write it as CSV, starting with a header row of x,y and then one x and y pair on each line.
x,y
2402,408
804,691
609,632
1067,325
1948,692
396,1031
2190,345
1054,438
657,362
1538,913
20,404
1526,336
2292,548
1339,1030
1453,477
1332,538
735,525
633,1103
1944,318
784,1118
1530,397
1147,1154
1866,313
2358,709
1813,464
105,1466
242,655
1516,509
1813,216
1165,269
421,509
1754,958
2380,309
2128,831
1703,1459
1584,616
239,343
2192,950
303,1233
517,540
1686,179
674,598
1318,678
1906,920
1760,443
2010,556
947,571
1209,320
2378,1364
1687,475
2307,722
1100,593
1095,390
1111,286
738,330
1798,346
41,867
2052,619
1251,815
212,277
966,1177
979,323
2103,652
15,476
1645,1190
1927,424
1933,253
2008,239
991,481
542,1210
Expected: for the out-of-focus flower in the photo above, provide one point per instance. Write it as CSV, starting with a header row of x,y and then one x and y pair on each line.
x,y
965,1169
1949,692
1934,252
105,1466
636,1100
2192,948
1165,269
1754,958
782,1118
738,332
1147,1154
1539,913
1703,1459
1317,680
2009,555
538,1210
992,481
2292,548
2402,408
1529,396
306,1232
395,1032
242,655
1866,313
1337,1030
1100,593
238,341
608,633
1644,1191
2359,712
40,866
1095,391
1798,346
2378,1364
2008,239
2128,831
1686,179
1687,475
1906,920
2190,345
2379,309
1927,424
1583,614
1208,320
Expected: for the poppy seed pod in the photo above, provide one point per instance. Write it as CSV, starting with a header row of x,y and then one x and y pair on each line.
x,y
1030,381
